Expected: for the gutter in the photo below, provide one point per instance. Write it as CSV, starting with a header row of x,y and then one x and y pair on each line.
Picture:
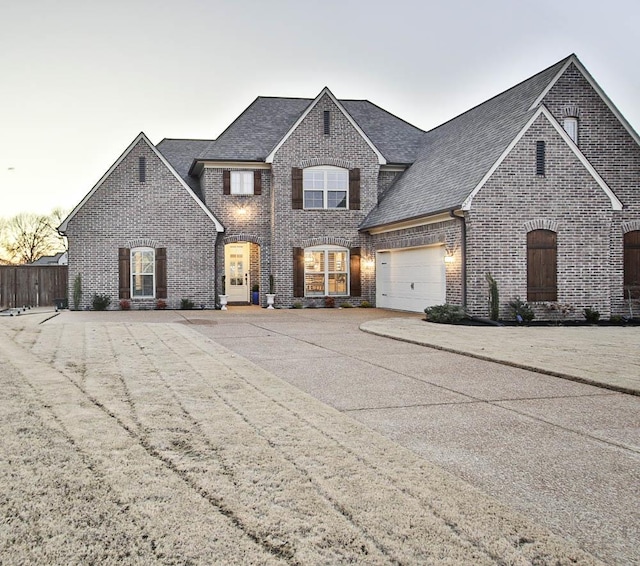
x,y
463,253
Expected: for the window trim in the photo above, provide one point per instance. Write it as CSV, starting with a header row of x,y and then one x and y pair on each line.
x,y
133,273
325,190
570,125
534,291
347,271
244,180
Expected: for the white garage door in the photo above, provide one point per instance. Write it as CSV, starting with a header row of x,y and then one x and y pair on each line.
x,y
410,279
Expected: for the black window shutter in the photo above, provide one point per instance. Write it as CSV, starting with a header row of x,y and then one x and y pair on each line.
x,y
296,188
298,272
542,266
161,273
257,182
540,158
355,286
124,273
226,182
354,189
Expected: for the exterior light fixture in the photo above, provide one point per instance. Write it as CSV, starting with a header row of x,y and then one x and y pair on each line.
x,y
242,210
449,258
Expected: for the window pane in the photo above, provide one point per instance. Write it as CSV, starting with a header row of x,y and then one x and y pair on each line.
x,y
314,261
337,199
314,284
313,199
337,284
337,180
143,285
337,261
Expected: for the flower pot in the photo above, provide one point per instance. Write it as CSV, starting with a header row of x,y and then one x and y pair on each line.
x,y
255,297
223,302
270,299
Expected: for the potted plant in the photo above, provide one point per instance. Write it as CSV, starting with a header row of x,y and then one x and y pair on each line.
x,y
223,296
271,294
255,294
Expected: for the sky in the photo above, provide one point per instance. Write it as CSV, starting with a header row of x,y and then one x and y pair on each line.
x,y
79,80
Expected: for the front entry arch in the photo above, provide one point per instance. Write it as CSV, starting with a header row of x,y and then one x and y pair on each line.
x,y
237,270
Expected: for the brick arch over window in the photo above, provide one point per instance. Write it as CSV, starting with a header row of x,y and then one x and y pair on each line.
x,y
542,266
319,161
631,244
233,238
541,224
630,226
325,241
143,243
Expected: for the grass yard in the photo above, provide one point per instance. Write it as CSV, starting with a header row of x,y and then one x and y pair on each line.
x,y
148,443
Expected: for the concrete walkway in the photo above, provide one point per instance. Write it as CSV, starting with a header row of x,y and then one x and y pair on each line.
x,y
604,356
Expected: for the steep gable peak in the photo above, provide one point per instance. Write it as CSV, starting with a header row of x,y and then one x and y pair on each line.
x,y
326,92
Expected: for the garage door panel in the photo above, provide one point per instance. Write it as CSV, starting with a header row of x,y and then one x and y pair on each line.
x,y
410,279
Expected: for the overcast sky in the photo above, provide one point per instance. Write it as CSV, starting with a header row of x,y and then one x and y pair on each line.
x,y
80,79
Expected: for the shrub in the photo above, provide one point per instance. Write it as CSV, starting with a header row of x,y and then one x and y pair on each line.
x,y
329,302
77,292
186,304
100,302
616,319
445,314
591,315
161,305
346,305
125,304
272,285
297,305
494,298
255,288
521,311
365,305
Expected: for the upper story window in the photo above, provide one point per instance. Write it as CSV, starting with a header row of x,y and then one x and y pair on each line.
x,y
571,127
242,182
143,272
325,187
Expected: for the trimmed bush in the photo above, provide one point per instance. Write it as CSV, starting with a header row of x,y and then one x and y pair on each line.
x,y
591,315
100,302
186,304
521,311
445,314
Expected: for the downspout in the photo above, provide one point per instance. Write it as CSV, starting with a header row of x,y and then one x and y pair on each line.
x,y
463,254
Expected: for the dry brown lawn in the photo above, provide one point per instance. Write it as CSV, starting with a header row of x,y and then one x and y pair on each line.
x,y
151,444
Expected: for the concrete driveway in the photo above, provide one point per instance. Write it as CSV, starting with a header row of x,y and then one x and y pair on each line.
x,y
565,454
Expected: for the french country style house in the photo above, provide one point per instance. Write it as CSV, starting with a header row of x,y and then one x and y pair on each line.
x,y
538,186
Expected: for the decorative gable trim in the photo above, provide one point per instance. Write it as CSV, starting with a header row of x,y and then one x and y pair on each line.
x,y
327,92
141,137
615,203
575,61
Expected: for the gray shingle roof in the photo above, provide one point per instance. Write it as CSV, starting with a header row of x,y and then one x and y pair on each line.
x,y
456,155
253,135
180,154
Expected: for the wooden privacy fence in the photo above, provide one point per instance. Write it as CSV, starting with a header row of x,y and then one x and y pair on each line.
x,y
32,285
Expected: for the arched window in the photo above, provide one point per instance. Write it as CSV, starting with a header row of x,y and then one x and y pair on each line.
x,y
542,266
325,187
632,264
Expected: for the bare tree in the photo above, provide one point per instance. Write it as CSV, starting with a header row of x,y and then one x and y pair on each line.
x,y
28,236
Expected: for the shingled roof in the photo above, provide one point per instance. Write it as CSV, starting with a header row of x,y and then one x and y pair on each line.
x,y
455,156
254,134
180,153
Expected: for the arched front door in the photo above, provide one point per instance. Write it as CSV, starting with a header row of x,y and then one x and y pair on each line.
x,y
237,272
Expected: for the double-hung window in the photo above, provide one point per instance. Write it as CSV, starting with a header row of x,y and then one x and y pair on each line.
x,y
242,182
326,271
143,272
325,187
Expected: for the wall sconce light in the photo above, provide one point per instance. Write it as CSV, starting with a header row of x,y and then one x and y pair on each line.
x,y
449,258
242,210
369,263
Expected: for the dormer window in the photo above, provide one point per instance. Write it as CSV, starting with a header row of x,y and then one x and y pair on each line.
x,y
571,127
242,182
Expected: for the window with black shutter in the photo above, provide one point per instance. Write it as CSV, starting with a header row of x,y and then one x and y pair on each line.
x,y
542,266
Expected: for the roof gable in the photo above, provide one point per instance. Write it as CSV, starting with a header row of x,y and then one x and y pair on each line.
x,y
573,60
542,111
325,92
141,137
